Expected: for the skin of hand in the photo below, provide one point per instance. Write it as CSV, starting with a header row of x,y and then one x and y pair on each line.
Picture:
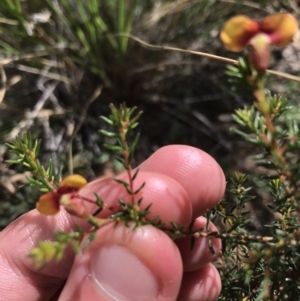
x,y
120,264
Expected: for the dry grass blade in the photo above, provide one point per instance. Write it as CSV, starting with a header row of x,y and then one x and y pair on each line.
x,y
47,74
161,10
168,48
249,4
13,58
83,114
2,83
9,21
207,55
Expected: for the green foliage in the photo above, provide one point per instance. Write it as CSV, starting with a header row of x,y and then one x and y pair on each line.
x,y
263,267
122,122
241,75
26,152
48,251
88,32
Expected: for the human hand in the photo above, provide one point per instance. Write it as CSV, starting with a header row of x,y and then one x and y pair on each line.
x,y
182,182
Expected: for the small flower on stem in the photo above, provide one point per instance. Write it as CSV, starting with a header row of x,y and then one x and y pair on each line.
x,y
49,203
241,31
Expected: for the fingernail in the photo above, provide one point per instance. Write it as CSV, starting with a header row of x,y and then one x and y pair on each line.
x,y
122,275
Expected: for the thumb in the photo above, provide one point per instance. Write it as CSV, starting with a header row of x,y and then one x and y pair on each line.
x,y
124,264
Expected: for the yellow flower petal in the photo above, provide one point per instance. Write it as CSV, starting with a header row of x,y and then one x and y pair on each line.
x,y
73,182
238,31
48,203
280,27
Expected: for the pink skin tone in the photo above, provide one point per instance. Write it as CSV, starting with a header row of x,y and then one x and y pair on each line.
x,y
121,264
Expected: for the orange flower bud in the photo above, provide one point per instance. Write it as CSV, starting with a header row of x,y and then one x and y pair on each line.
x,y
259,53
48,203
74,206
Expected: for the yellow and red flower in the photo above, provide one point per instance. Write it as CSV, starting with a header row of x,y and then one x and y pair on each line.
x,y
241,31
49,203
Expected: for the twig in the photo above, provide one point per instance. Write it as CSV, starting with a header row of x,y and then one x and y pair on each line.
x,y
83,114
9,21
51,75
168,48
16,57
204,54
30,116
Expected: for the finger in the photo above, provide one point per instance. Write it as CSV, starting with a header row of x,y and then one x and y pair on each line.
x,y
200,285
128,265
199,254
168,199
195,170
20,275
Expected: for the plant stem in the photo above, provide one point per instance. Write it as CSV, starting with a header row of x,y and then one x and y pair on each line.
x,y
128,166
276,149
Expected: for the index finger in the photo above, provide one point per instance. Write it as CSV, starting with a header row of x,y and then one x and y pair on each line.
x,y
195,170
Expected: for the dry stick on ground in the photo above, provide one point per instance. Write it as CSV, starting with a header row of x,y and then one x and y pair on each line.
x,y
9,58
26,123
41,85
45,73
